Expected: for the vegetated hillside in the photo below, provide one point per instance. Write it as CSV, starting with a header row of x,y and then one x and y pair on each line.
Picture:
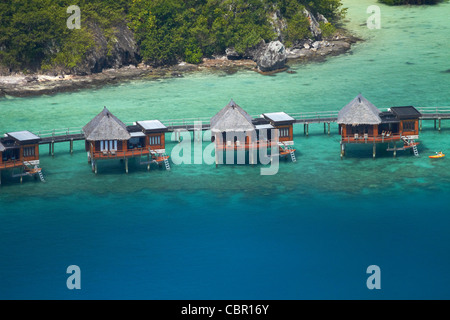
x,y
415,2
34,35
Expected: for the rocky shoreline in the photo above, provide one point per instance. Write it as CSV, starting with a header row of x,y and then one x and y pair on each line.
x,y
21,85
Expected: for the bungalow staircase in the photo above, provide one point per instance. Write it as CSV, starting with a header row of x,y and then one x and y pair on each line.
x,y
41,175
32,170
412,143
166,162
290,150
292,153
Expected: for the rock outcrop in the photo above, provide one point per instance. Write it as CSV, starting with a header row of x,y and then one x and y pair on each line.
x,y
271,57
123,51
313,25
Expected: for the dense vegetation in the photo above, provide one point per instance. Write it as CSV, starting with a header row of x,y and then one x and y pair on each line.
x,y
416,2
34,35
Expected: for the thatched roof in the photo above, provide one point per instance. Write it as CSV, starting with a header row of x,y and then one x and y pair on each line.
x,y
232,118
105,126
359,111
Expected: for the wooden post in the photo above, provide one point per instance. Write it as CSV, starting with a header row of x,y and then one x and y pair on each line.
x,y
304,128
434,124
148,164
307,129
342,150
71,146
439,124
126,165
395,149
420,125
53,148
324,128
329,126
95,167
374,150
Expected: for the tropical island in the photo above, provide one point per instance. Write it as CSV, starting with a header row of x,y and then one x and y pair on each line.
x,y
159,37
124,39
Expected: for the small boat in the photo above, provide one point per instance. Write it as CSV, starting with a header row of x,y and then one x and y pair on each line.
x,y
437,155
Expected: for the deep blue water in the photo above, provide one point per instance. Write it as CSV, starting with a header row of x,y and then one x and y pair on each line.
x,y
203,246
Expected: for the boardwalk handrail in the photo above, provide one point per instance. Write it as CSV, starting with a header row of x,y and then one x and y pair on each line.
x,y
434,110
188,122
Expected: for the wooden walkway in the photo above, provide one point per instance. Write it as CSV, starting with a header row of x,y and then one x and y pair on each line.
x,y
51,137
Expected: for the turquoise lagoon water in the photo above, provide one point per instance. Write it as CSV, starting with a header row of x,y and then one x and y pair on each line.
x,y
197,232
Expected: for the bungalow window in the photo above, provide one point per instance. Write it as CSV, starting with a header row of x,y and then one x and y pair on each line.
x,y
108,145
155,140
283,132
29,152
136,142
409,126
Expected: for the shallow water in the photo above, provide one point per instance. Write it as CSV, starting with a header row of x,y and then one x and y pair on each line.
x,y
198,232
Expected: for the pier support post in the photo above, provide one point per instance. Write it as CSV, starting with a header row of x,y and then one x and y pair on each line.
x,y
395,149
329,128
217,156
53,148
94,166
148,164
439,124
49,149
71,146
307,129
126,165
374,150
304,128
420,127
324,128
434,124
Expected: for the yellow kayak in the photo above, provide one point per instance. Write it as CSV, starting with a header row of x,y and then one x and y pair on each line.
x,y
437,156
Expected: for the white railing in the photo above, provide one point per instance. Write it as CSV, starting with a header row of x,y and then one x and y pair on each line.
x,y
57,132
314,115
434,110
171,123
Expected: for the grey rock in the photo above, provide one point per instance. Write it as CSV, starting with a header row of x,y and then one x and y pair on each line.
x,y
232,54
122,52
321,18
313,25
316,44
272,57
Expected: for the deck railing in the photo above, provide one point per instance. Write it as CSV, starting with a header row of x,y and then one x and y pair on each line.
x,y
188,123
372,139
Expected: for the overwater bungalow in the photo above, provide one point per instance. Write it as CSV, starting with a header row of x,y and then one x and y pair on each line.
x,y
362,122
20,150
284,124
107,137
233,129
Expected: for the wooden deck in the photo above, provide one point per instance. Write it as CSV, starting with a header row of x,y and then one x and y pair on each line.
x,y
372,139
193,124
121,154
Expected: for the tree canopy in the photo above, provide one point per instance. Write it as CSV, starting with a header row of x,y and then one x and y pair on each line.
x,y
34,35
